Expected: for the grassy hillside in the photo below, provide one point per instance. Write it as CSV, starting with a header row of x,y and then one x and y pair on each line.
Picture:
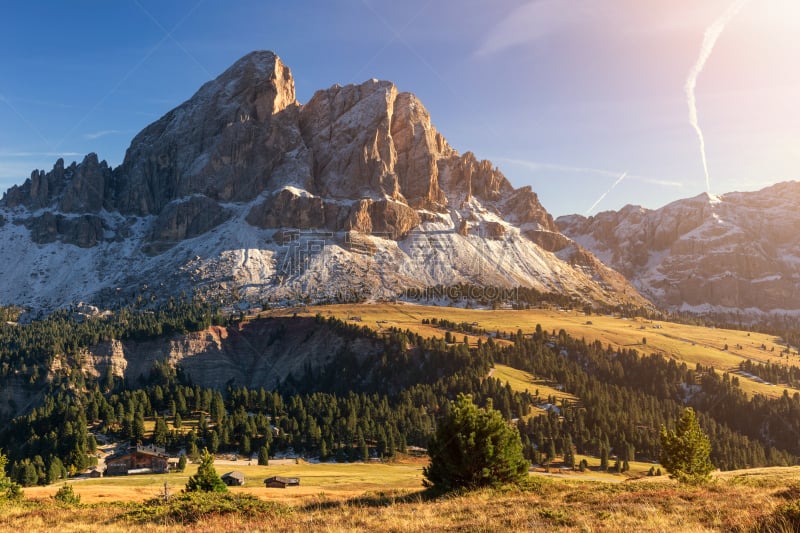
x,y
684,343
522,381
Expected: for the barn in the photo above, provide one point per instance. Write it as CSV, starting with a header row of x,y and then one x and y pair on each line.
x,y
279,482
233,479
138,460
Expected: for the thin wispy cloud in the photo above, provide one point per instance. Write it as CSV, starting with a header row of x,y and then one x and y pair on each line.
x,y
102,133
532,22
39,154
43,103
538,166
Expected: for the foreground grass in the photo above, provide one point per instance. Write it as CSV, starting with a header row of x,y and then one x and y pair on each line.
x,y
763,500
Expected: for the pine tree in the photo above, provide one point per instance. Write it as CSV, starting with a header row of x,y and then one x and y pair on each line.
x,y
551,452
8,489
569,454
474,447
160,432
685,451
263,456
182,463
206,479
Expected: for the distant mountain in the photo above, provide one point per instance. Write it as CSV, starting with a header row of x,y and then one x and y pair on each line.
x,y
243,193
739,252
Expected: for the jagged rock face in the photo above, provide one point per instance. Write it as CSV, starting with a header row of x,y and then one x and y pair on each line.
x,y
184,220
737,251
84,231
205,193
79,188
289,210
524,208
224,142
478,178
367,140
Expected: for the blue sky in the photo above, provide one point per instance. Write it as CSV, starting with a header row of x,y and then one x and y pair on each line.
x,y
562,95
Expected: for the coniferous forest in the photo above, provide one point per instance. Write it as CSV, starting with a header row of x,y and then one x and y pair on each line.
x,y
355,409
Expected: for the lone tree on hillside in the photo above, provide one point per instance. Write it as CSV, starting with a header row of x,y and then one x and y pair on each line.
x,y
474,447
206,479
685,450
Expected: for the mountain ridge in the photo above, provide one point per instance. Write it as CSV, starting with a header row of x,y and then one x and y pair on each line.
x,y
243,192
735,252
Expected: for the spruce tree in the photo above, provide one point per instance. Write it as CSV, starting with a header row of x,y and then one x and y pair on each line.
x,y
8,488
182,463
206,479
474,447
685,450
263,456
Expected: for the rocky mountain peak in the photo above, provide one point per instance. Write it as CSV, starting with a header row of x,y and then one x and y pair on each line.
x,y
232,175
259,79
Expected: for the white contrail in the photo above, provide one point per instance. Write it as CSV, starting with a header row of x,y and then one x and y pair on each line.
x,y
619,179
710,37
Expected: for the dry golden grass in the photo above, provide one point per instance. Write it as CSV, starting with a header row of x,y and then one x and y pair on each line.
x,y
519,380
684,343
734,501
336,481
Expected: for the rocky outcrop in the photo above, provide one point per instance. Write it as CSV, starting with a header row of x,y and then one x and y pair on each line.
x,y
369,140
552,241
289,210
524,208
477,178
86,192
184,220
259,353
494,230
738,251
83,231
79,188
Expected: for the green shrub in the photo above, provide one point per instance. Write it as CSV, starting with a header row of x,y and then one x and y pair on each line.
x,y
190,507
67,496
